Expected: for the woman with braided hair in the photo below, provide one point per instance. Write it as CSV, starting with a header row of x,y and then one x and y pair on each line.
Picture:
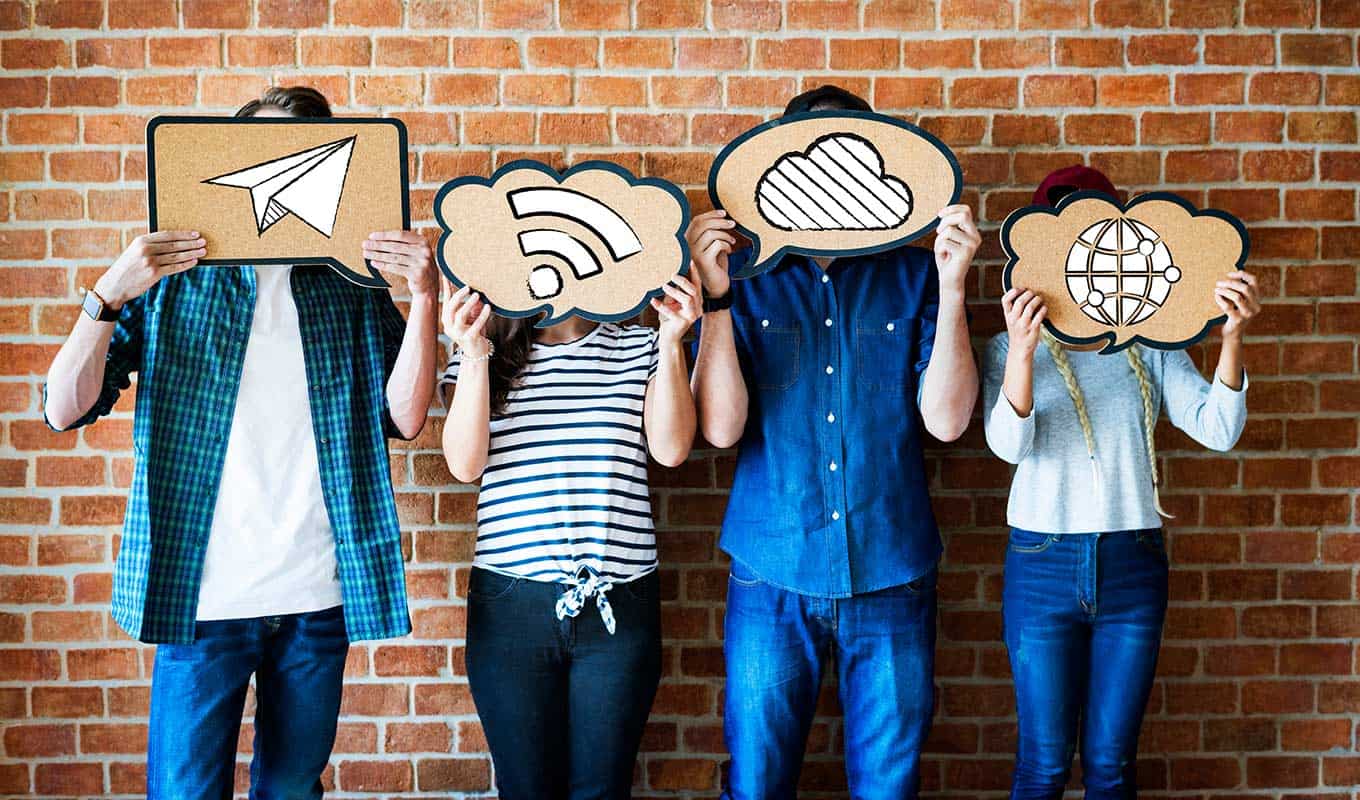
x,y
1086,567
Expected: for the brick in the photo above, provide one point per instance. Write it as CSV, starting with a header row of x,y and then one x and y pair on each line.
x,y
637,51
564,51
1134,90
908,93
1239,50
949,53
983,93
486,51
1174,128
216,13
185,51
790,54
1331,50
337,51
1321,126
35,53
1060,90
1009,53
1279,13
976,14
123,52
1209,89
69,14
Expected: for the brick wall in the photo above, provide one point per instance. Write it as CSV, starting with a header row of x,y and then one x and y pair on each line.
x,y
1248,105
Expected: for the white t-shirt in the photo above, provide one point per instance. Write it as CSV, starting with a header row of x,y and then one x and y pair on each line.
x,y
565,484
271,550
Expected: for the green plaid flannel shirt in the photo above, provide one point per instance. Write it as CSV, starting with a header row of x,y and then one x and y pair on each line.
x,y
186,340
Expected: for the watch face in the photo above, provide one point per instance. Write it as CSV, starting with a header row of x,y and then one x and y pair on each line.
x,y
92,305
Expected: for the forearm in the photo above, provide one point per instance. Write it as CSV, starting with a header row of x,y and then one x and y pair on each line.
x,y
668,413
1229,369
950,384
1018,384
718,386
76,376
467,428
411,385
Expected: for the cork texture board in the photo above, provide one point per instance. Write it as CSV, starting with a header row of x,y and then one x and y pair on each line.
x,y
595,241
1119,275
833,183
279,191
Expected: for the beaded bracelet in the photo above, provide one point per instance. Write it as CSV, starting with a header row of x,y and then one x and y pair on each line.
x,y
491,351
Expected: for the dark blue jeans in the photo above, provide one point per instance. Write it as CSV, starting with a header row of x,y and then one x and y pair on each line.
x,y
776,642
563,702
1083,616
198,692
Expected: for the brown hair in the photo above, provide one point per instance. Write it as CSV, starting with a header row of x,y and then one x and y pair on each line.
x,y
300,101
512,340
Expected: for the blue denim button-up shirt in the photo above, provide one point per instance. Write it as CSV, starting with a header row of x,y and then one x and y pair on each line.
x,y
830,495
186,340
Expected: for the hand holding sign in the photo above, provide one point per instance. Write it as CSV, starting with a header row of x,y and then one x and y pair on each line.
x,y
594,241
276,190
1148,272
833,183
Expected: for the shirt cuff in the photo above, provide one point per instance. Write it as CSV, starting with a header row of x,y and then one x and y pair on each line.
x,y
1226,393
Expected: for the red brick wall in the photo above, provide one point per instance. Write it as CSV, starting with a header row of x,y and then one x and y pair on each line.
x,y
1248,105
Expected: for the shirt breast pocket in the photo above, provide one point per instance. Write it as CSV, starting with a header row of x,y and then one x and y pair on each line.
x,y
885,352
774,354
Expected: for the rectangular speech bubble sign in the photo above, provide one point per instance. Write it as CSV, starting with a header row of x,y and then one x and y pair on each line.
x,y
275,190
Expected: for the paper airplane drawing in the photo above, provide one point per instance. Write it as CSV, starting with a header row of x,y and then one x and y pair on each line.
x,y
306,184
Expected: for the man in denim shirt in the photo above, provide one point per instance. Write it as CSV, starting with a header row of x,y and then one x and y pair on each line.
x,y
824,372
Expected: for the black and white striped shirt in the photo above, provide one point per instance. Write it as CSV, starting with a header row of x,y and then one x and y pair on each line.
x,y
564,493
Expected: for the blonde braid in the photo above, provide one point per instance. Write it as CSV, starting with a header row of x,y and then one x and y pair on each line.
x,y
1078,401
1149,425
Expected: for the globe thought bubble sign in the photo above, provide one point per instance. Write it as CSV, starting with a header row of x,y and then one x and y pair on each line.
x,y
832,183
595,241
279,190
1142,273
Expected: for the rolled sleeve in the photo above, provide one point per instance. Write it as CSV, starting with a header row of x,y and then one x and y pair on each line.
x,y
124,358
392,327
1211,413
1009,435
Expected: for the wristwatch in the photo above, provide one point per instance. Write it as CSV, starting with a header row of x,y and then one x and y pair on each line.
x,y
96,309
718,303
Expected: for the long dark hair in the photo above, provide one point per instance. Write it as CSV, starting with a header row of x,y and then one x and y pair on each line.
x,y
513,339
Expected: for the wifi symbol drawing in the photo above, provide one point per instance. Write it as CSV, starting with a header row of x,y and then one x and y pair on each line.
x,y
619,238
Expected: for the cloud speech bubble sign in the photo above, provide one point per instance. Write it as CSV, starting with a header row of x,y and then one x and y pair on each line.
x,y
275,190
595,241
833,183
1142,273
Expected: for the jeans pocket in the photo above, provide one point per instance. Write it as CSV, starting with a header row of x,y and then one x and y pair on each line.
x,y
1153,541
1022,541
484,584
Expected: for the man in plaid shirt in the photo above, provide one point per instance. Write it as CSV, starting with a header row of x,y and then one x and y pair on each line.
x,y
261,534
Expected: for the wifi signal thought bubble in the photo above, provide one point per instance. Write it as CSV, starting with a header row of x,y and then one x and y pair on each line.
x,y
595,241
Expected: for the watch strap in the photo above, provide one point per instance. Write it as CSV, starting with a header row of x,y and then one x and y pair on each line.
x,y
718,303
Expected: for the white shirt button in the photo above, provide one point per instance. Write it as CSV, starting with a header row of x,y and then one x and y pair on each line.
x,y
764,323
830,417
828,323
825,278
829,369
891,326
835,515
832,467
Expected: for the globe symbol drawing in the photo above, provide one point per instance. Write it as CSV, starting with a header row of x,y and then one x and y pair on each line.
x,y
1120,272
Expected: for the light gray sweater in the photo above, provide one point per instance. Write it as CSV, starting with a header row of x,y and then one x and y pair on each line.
x,y
1055,489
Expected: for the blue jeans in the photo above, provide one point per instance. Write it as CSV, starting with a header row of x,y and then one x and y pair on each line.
x,y
1083,616
562,701
198,692
775,644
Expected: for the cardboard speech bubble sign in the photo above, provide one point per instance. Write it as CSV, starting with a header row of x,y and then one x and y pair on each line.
x,y
833,183
594,241
1141,273
276,190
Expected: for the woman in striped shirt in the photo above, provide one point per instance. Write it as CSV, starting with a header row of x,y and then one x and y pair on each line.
x,y
558,422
